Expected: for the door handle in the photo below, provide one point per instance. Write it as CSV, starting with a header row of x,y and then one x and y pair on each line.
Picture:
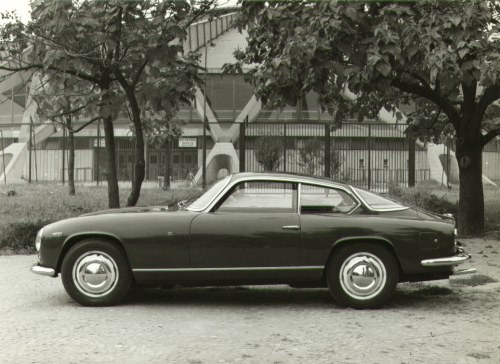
x,y
291,227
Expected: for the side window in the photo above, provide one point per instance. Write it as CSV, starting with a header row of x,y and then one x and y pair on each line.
x,y
323,200
263,197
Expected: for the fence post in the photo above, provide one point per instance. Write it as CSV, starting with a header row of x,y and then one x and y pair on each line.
x,y
98,153
448,164
242,147
3,159
63,155
29,146
411,161
284,147
327,151
369,156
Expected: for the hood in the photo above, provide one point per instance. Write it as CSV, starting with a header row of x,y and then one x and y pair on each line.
x,y
125,210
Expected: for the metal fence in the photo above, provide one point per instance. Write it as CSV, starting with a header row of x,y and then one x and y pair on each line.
x,y
367,155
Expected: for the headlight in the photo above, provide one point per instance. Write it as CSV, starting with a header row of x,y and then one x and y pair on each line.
x,y
38,240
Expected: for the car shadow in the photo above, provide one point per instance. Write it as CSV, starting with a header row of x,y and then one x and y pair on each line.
x,y
239,295
426,297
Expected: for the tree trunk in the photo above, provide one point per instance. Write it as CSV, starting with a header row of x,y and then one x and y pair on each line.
x,y
140,163
71,158
168,166
111,175
471,204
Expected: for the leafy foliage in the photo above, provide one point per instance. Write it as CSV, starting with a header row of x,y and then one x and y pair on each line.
x,y
107,59
362,56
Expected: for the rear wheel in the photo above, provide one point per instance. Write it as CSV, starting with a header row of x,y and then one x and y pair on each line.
x,y
96,273
362,275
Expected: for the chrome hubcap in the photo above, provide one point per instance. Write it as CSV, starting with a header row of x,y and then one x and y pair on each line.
x,y
95,273
363,276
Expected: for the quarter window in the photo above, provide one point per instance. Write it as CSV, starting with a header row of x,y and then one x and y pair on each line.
x,y
324,200
256,196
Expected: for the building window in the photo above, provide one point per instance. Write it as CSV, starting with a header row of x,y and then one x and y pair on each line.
x,y
386,163
176,158
361,163
153,159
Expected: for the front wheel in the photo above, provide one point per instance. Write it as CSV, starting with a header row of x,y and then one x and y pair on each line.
x,y
96,273
362,275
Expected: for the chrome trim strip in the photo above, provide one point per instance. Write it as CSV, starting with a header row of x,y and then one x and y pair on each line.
x,y
463,271
402,208
232,269
43,271
443,262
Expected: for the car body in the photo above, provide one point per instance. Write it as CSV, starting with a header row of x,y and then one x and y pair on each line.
x,y
254,228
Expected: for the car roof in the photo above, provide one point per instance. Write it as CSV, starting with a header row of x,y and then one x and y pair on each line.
x,y
290,176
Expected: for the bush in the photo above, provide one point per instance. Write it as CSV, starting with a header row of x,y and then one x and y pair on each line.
x,y
268,152
32,206
19,236
424,199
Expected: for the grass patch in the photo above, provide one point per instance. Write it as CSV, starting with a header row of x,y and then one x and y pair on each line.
x,y
473,280
423,196
431,196
32,206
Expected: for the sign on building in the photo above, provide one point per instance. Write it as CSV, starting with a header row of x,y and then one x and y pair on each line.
x,y
187,142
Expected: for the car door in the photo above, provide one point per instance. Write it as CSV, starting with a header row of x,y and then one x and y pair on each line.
x,y
255,225
326,214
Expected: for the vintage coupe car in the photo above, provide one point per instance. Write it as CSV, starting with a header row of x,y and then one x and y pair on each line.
x,y
254,228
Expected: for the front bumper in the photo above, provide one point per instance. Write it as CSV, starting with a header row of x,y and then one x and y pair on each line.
x,y
43,271
452,261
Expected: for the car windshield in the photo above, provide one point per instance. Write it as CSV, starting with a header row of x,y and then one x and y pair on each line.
x,y
208,196
378,202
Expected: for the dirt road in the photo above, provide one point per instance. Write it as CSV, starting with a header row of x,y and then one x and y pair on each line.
x,y
39,323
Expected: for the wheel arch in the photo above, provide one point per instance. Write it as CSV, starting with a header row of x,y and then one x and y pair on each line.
x,y
381,241
74,239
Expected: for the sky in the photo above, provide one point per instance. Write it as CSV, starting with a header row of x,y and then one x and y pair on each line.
x,y
22,7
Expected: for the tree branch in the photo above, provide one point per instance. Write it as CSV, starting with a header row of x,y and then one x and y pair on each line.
x,y
485,139
138,74
490,95
87,123
432,95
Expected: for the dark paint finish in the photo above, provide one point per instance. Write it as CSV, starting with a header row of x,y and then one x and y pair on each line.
x,y
206,247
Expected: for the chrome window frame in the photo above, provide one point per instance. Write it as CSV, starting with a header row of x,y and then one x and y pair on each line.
x,y
259,179
233,181
331,186
402,208
223,189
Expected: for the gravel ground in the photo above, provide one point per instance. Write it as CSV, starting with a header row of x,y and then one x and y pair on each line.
x,y
440,322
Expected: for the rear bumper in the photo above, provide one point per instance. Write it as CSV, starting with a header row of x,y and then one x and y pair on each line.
x,y
456,259
43,271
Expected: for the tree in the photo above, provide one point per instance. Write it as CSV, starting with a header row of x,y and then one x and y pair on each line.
x,y
312,156
162,130
442,52
57,100
336,161
268,152
130,53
